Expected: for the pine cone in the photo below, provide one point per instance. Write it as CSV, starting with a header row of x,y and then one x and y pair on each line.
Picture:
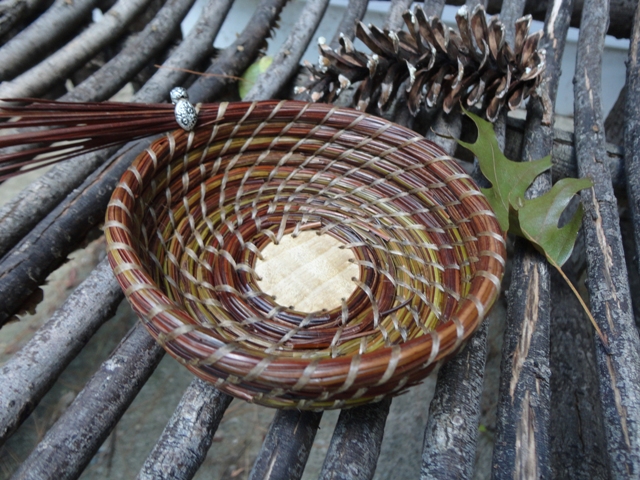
x,y
474,65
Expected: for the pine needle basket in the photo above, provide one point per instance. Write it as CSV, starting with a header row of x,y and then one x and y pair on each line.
x,y
186,224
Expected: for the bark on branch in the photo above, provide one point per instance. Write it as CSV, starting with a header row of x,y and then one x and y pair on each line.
x,y
31,372
57,67
68,447
286,448
14,11
632,132
522,434
43,36
186,439
619,367
356,441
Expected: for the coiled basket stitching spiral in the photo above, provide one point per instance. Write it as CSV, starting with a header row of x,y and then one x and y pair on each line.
x,y
188,220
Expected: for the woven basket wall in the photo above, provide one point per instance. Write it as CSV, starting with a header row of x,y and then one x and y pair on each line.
x,y
188,220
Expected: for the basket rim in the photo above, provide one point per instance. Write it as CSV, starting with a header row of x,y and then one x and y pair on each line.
x,y
139,288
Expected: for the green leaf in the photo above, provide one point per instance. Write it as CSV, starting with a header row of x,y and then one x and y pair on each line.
x,y
252,73
539,218
509,180
535,219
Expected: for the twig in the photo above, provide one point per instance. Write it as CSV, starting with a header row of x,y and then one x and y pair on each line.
x,y
203,74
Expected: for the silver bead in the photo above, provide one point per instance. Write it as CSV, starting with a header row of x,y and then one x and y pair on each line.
x,y
185,112
178,93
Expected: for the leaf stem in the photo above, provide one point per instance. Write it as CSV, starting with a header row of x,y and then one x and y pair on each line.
x,y
603,339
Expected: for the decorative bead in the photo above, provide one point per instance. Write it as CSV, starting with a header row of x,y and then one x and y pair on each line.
x,y
178,93
186,114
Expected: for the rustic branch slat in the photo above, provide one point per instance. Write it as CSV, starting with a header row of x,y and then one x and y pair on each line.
x,y
433,7
286,448
615,122
521,447
632,132
186,439
12,12
578,444
55,68
43,36
285,62
619,367
394,20
522,436
110,78
355,445
34,368
236,58
355,11
451,434
68,447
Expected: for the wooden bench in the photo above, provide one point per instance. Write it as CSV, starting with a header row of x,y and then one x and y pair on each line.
x,y
566,407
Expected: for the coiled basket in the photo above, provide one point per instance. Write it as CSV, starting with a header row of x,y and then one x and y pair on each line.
x,y
187,222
